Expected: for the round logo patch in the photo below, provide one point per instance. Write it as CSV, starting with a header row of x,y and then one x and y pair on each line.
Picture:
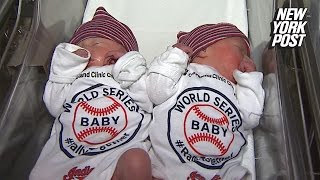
x,y
98,119
203,127
96,122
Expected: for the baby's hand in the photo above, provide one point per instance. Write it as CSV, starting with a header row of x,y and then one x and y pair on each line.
x,y
247,65
81,52
184,48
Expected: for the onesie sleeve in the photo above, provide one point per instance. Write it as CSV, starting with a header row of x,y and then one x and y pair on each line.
x,y
65,67
250,95
164,73
129,71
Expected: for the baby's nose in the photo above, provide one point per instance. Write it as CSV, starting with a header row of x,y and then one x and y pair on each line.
x,y
98,55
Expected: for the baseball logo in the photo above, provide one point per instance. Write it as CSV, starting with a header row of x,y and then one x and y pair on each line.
x,y
203,127
98,122
206,130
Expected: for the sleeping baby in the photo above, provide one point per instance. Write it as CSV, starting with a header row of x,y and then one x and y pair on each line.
x,y
208,94
97,93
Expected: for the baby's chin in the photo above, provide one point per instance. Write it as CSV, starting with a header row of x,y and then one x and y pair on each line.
x,y
233,81
231,78
92,64
228,75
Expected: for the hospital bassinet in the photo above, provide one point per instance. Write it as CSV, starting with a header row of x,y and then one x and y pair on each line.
x,y
286,142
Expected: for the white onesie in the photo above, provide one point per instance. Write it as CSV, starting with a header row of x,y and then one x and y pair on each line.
x,y
200,118
96,119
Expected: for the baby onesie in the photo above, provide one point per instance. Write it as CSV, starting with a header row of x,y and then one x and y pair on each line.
x,y
100,113
200,119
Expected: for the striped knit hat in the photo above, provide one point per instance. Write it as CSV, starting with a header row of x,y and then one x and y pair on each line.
x,y
105,26
205,35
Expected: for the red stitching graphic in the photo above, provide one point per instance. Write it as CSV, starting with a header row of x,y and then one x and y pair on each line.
x,y
92,130
201,115
91,126
195,176
99,111
209,138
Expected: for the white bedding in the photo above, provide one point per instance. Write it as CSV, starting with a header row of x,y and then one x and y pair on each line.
x,y
156,23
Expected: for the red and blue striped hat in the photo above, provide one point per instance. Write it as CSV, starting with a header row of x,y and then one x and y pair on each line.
x,y
205,35
105,26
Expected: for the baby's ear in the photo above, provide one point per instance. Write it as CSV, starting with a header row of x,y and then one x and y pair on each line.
x,y
202,54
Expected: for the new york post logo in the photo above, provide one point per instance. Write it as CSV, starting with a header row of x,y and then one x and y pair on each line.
x,y
288,27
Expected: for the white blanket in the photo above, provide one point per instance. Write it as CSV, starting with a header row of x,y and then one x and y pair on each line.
x,y
156,23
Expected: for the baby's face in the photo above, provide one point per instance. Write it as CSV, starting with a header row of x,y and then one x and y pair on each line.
x,y
225,56
103,51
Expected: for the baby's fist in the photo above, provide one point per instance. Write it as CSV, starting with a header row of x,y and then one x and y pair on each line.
x,y
247,65
184,48
81,52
